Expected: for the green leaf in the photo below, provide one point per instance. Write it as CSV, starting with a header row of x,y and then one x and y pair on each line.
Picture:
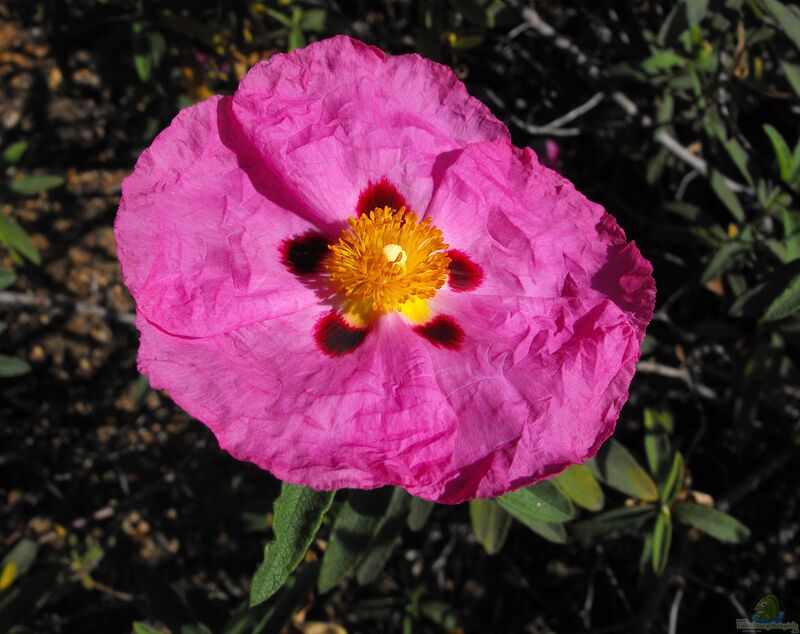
x,y
657,446
313,20
23,555
296,37
782,151
551,531
31,185
11,366
581,487
662,60
726,195
419,513
696,10
773,299
674,481
7,277
712,522
490,523
785,304
662,539
473,11
195,628
792,72
144,628
787,17
14,152
355,526
740,158
615,466
542,502
142,60
298,515
383,543
614,523
724,259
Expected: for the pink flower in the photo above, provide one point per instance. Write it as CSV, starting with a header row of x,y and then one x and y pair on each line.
x,y
353,278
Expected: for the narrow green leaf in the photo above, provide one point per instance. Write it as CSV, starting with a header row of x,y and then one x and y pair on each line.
x,y
792,72
662,540
782,152
490,523
420,512
662,60
354,528
581,487
551,531
674,480
726,195
7,277
298,515
144,628
195,628
739,157
542,502
724,260
296,37
778,287
23,555
712,522
785,304
787,17
381,547
141,53
280,609
313,20
657,446
14,152
285,20
31,185
11,366
614,523
696,10
615,466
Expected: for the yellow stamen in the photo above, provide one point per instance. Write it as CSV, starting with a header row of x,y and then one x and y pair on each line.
x,y
387,258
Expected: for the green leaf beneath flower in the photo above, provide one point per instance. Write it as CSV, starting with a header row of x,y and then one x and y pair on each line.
x,y
662,540
356,525
615,466
490,523
542,502
581,487
712,522
298,515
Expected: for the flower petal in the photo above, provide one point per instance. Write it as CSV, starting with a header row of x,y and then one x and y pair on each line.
x,y
337,115
537,385
534,235
373,417
200,231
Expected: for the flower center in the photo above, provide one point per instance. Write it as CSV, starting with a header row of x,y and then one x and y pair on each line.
x,y
388,258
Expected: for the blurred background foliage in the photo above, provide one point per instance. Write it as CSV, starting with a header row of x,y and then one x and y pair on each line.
x,y
120,514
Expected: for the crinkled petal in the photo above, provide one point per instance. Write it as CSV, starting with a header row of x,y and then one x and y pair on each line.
x,y
200,227
366,419
534,235
537,385
336,115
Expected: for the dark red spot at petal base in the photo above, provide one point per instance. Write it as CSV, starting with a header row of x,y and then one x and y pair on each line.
x,y
336,337
304,254
381,194
442,331
465,275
